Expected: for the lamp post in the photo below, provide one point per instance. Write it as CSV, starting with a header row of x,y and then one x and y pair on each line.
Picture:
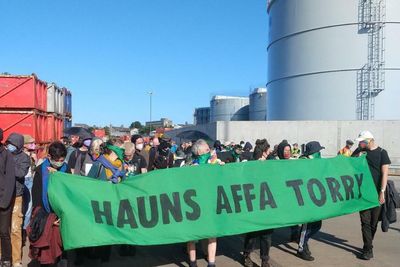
x,y
151,96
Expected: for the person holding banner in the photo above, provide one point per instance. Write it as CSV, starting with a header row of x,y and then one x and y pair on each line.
x,y
202,154
312,151
378,162
261,152
42,211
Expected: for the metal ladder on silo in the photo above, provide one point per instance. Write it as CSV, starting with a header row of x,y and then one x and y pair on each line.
x,y
371,77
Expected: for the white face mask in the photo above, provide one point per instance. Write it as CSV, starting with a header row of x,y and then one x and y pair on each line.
x,y
139,147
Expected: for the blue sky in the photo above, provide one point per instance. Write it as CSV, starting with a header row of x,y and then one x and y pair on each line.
x,y
111,53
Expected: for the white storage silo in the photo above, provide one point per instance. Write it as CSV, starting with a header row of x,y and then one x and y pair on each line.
x,y
258,105
229,108
333,60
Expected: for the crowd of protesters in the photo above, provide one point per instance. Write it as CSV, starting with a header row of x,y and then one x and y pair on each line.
x,y
25,211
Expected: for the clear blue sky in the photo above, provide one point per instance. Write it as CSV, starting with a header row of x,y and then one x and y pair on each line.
x,y
110,53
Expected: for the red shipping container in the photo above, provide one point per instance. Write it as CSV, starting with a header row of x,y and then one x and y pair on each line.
x,y
22,92
55,126
24,122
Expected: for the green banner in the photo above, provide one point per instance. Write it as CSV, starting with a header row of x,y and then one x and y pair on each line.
x,y
191,203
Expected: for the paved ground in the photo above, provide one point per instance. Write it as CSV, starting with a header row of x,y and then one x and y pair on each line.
x,y
337,244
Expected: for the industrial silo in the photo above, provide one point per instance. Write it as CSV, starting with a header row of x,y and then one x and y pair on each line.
x,y
333,60
258,105
229,108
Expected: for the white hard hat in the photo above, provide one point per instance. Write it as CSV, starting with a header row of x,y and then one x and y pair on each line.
x,y
364,135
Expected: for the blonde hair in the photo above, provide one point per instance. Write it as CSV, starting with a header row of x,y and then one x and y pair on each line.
x,y
95,147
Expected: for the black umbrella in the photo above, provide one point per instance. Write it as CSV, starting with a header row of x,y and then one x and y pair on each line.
x,y
83,133
193,135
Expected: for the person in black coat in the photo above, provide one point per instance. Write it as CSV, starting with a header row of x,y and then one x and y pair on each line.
x,y
7,191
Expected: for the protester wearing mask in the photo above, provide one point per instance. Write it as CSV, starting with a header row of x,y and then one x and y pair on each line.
x,y
312,151
261,152
80,161
135,163
54,162
202,153
15,144
7,187
139,147
378,163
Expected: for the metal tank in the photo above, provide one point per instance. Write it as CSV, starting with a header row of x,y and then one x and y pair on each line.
x,y
201,115
333,60
229,108
258,105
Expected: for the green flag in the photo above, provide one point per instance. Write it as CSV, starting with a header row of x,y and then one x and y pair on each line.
x,y
190,203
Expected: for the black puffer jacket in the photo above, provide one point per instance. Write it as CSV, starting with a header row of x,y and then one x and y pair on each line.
x,y
22,162
7,177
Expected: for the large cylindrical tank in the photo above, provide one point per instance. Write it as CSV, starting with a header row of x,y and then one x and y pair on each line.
x,y
258,105
315,52
229,108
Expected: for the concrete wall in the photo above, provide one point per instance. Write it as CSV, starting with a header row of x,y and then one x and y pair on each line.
x,y
331,134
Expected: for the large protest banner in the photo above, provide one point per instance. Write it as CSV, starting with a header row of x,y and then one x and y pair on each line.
x,y
197,202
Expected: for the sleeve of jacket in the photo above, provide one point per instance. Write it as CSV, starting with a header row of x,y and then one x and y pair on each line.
x,y
152,157
9,180
37,188
22,166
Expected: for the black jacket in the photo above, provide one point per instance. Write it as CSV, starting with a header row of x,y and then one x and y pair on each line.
x,y
37,187
7,177
22,162
392,202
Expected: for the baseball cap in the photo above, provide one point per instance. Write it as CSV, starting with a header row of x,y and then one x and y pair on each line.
x,y
364,135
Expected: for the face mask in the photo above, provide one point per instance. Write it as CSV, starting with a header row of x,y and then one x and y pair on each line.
x,y
87,143
56,164
363,145
139,147
316,155
11,148
32,147
203,159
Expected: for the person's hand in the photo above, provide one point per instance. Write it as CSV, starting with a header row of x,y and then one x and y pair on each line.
x,y
51,169
57,223
382,198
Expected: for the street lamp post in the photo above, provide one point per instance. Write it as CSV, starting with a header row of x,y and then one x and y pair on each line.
x,y
151,96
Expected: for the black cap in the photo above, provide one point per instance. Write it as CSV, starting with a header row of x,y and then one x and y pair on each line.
x,y
313,147
349,142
